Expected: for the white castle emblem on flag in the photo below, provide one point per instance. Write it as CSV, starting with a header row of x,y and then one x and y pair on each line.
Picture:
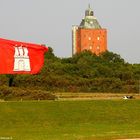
x,y
21,59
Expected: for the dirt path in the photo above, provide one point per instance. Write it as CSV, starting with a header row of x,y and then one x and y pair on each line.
x,y
130,139
94,96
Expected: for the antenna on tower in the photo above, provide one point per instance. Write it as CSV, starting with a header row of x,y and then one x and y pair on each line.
x,y
89,5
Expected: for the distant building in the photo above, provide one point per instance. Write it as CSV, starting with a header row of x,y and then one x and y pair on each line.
x,y
89,35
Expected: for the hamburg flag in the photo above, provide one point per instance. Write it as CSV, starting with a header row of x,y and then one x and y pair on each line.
x,y
20,57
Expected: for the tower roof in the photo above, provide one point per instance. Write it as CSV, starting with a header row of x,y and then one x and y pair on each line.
x,y
90,21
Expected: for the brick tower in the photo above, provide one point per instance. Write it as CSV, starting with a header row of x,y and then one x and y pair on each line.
x,y
89,35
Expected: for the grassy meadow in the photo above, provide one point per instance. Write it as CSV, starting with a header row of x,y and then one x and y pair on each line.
x,y
70,120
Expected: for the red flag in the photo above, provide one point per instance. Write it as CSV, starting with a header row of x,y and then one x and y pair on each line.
x,y
20,57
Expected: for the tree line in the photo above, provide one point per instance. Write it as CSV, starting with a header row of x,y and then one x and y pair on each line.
x,y
84,72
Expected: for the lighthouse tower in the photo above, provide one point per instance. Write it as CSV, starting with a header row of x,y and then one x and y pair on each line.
x,y
89,35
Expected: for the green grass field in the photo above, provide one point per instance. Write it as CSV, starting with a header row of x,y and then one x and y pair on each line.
x,y
70,120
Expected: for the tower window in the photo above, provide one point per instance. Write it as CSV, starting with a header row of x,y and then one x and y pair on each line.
x,y
91,22
89,38
98,47
90,47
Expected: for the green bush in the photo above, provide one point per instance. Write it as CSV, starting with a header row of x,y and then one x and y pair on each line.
x,y
14,93
84,72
